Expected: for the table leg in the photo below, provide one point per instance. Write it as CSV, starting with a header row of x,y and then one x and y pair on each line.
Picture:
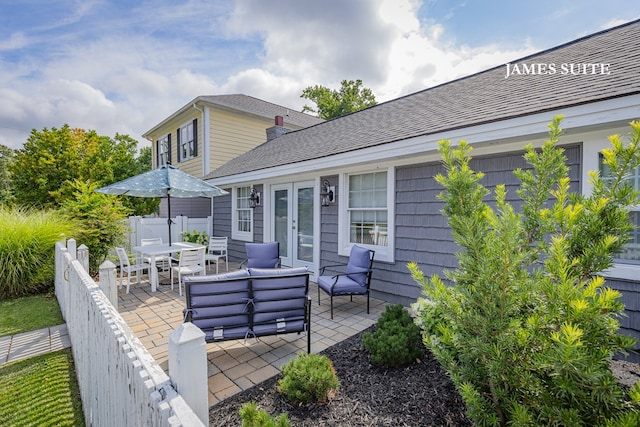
x,y
153,273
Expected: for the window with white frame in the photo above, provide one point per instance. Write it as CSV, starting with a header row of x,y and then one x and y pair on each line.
x,y
163,150
630,252
367,213
187,141
242,215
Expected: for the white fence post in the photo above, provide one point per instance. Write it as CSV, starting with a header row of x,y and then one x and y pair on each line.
x,y
108,282
188,368
71,247
62,281
83,256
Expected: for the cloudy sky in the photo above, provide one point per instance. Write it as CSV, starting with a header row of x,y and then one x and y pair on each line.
x,y
121,66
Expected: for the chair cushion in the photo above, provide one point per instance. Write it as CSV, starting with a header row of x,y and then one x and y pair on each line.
x,y
217,277
263,255
359,262
344,286
237,332
256,272
296,325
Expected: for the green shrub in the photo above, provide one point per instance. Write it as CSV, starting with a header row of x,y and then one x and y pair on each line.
x,y
254,417
27,249
195,236
101,218
396,340
308,378
528,329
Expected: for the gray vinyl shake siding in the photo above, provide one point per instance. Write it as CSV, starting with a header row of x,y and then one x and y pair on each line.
x,y
222,217
422,233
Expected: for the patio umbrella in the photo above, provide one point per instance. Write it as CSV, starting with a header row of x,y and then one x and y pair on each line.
x,y
165,181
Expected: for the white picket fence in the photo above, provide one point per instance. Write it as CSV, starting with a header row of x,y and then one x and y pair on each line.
x,y
120,382
143,228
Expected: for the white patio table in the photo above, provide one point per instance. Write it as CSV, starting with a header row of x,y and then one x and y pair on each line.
x,y
164,249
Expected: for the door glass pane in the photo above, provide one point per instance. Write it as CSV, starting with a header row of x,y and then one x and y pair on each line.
x,y
281,216
305,224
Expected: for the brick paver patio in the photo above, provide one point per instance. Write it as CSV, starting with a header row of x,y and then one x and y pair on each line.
x,y
235,365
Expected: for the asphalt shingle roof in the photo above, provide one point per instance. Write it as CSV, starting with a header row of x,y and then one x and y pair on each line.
x,y
480,98
259,107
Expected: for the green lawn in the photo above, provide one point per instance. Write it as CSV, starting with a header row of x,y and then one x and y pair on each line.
x,y
40,391
29,313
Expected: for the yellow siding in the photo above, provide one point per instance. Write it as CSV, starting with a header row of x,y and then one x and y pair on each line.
x,y
232,135
192,166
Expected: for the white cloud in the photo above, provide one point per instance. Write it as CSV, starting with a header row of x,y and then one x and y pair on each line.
x,y
124,71
381,42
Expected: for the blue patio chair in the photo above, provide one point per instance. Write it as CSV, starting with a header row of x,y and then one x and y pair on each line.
x,y
356,279
262,255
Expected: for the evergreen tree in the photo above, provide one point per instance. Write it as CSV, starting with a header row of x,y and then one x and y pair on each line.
x,y
528,329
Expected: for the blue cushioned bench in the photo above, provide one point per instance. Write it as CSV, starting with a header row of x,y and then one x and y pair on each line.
x,y
250,303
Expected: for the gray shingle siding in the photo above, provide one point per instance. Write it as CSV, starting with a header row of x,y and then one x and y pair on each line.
x,y
222,218
222,226
422,232
629,322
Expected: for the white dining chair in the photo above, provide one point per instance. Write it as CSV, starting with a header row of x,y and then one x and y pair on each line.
x,y
128,268
162,261
191,263
216,250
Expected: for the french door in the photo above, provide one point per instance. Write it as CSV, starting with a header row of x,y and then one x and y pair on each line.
x,y
293,219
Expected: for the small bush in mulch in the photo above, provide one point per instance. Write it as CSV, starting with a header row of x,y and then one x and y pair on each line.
x,y
396,341
252,416
308,378
414,395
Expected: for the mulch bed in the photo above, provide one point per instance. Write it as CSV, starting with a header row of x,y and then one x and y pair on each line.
x,y
419,395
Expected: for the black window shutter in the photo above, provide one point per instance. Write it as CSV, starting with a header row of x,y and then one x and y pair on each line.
x,y
169,148
178,145
157,153
195,137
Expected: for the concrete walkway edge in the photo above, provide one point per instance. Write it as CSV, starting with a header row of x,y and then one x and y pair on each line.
x,y
33,343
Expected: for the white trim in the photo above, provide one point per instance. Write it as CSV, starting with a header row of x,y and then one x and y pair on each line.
x,y
383,253
593,145
235,234
623,271
206,142
180,142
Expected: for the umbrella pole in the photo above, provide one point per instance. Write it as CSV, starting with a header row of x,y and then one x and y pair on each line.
x,y
169,216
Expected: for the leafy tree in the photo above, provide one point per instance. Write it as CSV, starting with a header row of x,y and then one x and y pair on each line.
x,y
529,329
45,169
6,189
330,104
100,218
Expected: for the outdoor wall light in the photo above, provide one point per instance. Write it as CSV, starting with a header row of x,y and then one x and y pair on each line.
x,y
254,198
327,193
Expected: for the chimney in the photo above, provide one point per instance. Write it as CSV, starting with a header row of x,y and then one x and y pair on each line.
x,y
277,130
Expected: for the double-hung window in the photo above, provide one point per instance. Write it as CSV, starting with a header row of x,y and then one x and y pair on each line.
x,y
367,213
630,252
187,141
163,150
242,215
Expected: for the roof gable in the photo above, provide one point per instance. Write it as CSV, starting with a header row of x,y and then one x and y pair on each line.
x,y
249,105
485,97
258,107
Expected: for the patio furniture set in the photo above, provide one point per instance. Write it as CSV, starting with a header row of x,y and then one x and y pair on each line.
x,y
259,300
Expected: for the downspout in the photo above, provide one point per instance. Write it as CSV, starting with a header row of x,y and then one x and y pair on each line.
x,y
205,150
206,155
153,152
